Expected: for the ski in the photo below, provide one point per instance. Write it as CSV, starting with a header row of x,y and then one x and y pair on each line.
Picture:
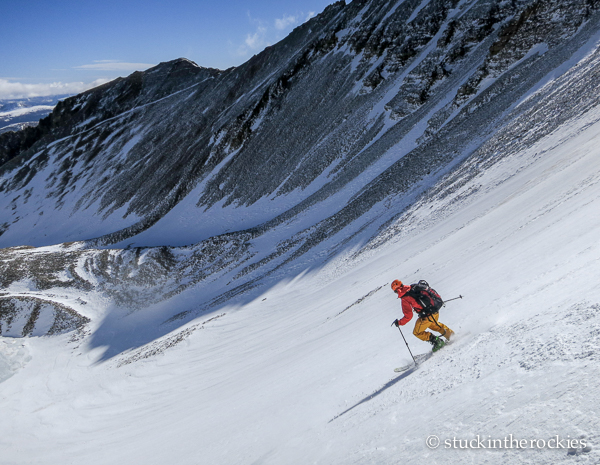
x,y
420,358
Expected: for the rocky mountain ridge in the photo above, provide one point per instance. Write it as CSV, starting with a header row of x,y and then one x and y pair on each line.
x,y
319,141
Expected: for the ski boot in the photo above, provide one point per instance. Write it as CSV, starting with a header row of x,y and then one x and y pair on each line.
x,y
448,334
436,342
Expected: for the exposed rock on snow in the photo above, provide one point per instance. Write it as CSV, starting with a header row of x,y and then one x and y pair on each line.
x,y
371,97
31,316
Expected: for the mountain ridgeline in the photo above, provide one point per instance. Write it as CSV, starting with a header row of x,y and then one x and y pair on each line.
x,y
318,140
332,98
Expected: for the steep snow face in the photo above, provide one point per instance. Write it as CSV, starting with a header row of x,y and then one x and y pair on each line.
x,y
373,93
301,370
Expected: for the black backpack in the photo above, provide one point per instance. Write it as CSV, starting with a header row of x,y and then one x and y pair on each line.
x,y
426,297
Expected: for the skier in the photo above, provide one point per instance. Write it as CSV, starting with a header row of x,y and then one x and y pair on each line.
x,y
427,303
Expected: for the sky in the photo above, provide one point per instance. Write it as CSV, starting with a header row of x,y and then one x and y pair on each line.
x,y
68,46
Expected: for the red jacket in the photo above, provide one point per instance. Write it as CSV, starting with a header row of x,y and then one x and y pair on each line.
x,y
408,305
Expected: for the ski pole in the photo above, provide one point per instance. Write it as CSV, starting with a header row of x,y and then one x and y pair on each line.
x,y
413,357
449,300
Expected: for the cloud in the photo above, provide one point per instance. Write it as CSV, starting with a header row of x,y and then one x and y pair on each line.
x,y
268,32
112,65
285,22
13,90
257,41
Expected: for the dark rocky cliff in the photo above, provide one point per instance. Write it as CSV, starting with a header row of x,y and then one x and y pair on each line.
x,y
370,103
322,142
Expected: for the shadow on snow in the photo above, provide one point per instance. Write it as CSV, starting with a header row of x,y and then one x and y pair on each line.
x,y
387,385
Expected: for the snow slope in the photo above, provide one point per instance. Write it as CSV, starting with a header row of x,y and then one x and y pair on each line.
x,y
301,371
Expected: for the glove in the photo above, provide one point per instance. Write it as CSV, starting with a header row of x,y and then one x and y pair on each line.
x,y
395,323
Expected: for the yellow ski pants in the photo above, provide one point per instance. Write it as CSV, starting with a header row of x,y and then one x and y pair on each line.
x,y
431,323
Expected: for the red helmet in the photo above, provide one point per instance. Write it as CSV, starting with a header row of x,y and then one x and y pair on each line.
x,y
396,284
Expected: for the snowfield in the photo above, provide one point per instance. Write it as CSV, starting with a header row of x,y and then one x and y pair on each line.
x,y
301,371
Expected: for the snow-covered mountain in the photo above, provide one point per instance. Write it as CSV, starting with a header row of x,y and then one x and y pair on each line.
x,y
197,262
366,101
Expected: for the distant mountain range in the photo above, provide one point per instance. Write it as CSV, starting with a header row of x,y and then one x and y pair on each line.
x,y
17,114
